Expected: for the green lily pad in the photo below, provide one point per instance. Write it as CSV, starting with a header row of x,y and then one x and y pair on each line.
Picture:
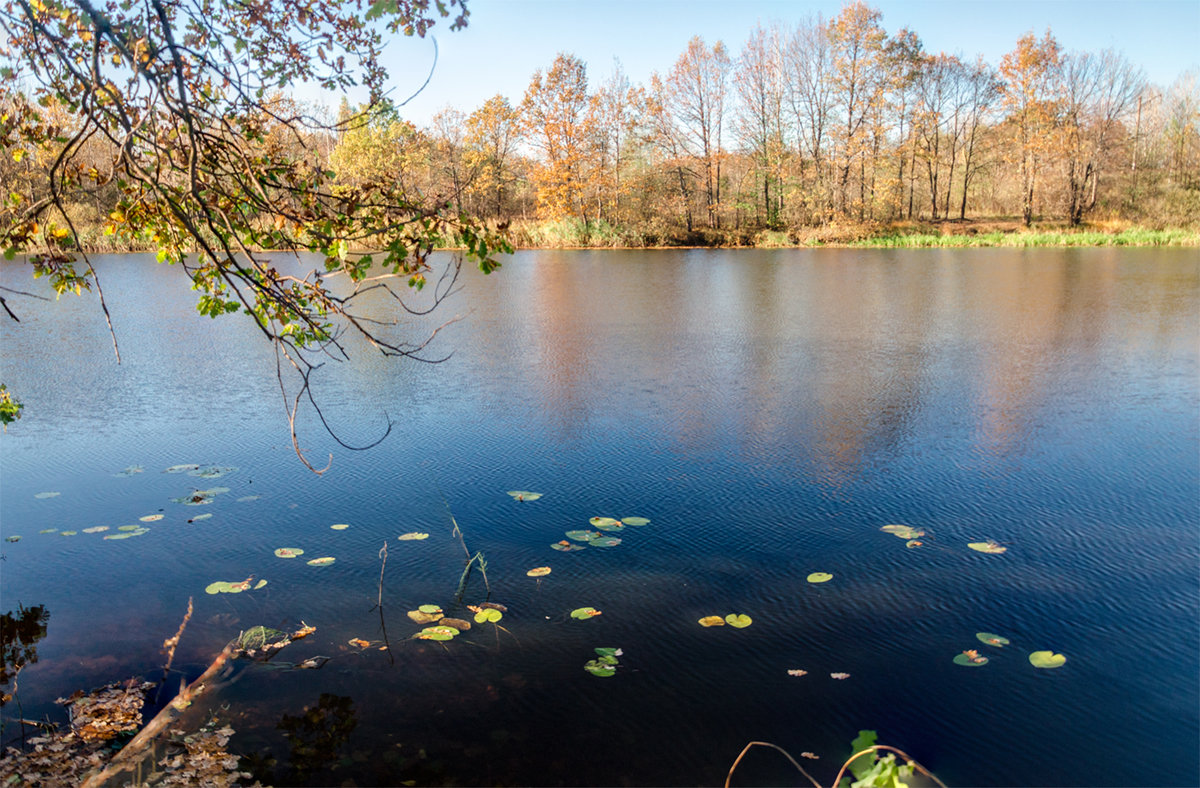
x,y
151,518
130,471
616,528
604,541
566,547
414,536
437,633
712,621
524,495
970,659
68,533
583,613
739,620
601,669
430,609
599,521
1047,659
181,468
582,536
986,547
52,530
95,529
425,618
608,651
288,552
323,561
200,517
126,532
820,577
260,584
903,531
488,615
127,528
47,495
635,520
13,538
211,472
991,639
218,587
340,526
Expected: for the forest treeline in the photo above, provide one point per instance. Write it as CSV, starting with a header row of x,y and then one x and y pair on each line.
x,y
812,129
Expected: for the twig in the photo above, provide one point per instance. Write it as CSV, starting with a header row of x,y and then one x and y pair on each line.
x,y
383,555
170,643
746,749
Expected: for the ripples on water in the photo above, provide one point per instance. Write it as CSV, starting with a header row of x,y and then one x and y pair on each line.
x,y
769,411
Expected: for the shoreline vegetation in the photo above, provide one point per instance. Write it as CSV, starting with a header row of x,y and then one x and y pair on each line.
x,y
567,234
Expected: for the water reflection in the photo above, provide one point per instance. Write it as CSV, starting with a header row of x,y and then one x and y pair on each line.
x,y
19,635
316,740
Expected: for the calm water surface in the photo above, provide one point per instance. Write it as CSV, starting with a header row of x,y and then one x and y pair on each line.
x,y
768,411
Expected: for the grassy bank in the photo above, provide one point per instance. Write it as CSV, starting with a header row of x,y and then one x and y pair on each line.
x,y
574,234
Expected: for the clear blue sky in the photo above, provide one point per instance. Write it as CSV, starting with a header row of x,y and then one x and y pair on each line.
x,y
507,39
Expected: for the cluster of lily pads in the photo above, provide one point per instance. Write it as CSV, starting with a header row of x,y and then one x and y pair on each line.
x,y
606,662
438,626
296,552
223,587
737,620
602,537
912,537
971,658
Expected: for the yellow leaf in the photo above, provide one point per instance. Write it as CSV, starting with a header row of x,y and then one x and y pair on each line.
x,y
18,154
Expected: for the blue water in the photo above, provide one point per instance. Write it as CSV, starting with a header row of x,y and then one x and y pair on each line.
x,y
768,411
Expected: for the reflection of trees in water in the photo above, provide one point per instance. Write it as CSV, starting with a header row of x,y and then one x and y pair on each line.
x,y
315,740
19,635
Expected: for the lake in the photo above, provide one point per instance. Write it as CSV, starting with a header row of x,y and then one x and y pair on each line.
x,y
767,411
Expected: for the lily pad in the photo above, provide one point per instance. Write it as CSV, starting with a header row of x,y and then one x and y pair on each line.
x,y
567,547
323,561
340,526
635,521
991,639
67,533
488,615
598,522
583,613
211,472
437,633
970,659
458,623
126,533
200,517
739,620
604,541
712,621
219,587
524,495
127,528
130,471
599,668
288,552
539,571
181,468
987,547
820,577
13,538
608,651
582,536
95,529
150,518
611,528
913,543
47,495
903,531
1047,659
430,609
425,618
414,536
260,584
52,530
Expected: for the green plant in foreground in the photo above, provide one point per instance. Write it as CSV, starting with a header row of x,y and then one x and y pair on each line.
x,y
868,768
10,409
